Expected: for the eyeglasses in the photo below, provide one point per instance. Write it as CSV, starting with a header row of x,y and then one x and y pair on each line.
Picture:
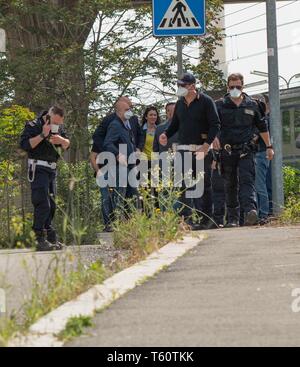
x,y
183,85
239,87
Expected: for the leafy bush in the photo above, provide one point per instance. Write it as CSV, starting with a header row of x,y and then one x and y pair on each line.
x,y
14,218
78,217
291,213
291,182
151,229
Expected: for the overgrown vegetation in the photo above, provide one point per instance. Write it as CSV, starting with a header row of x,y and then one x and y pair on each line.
x,y
291,213
75,327
68,276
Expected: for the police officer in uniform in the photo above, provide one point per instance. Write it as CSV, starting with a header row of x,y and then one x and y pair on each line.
x,y
42,139
197,122
240,119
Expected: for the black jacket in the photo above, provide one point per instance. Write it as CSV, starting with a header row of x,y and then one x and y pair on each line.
x,y
118,134
101,131
158,147
197,123
45,150
239,123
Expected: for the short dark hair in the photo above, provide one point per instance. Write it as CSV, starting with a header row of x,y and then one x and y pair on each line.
x,y
170,104
234,77
56,110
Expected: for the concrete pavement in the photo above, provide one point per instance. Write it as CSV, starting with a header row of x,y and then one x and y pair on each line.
x,y
19,267
234,289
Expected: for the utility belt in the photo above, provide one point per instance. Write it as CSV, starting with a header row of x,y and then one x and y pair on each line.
x,y
189,148
242,149
33,163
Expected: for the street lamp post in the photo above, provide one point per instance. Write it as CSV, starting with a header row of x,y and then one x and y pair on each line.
x,y
274,100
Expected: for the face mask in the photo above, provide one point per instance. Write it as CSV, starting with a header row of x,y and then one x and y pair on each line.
x,y
182,92
54,128
128,115
235,93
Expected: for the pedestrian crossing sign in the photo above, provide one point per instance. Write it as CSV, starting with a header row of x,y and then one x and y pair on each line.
x,y
178,17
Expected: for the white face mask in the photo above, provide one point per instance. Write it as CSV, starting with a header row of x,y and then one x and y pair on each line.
x,y
54,128
128,115
235,93
182,92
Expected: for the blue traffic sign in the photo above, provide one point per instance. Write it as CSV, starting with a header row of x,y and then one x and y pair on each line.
x,y
178,17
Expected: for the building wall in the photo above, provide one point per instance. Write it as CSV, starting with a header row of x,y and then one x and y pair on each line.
x,y
290,110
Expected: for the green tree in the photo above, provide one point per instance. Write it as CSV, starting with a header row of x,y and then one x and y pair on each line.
x,y
83,53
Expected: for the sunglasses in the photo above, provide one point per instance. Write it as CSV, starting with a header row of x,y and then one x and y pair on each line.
x,y
239,87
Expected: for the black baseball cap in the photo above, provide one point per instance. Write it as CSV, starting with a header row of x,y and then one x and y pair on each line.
x,y
187,78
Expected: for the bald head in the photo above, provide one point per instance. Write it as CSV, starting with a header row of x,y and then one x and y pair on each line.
x,y
121,107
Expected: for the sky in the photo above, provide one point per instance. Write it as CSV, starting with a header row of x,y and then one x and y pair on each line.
x,y
238,48
249,18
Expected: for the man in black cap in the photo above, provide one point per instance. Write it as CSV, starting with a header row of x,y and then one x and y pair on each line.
x,y
197,122
41,139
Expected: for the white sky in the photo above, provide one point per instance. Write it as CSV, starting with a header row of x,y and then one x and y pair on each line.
x,y
244,45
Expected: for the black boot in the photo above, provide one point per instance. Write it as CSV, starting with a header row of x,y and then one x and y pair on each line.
x,y
42,243
251,218
52,238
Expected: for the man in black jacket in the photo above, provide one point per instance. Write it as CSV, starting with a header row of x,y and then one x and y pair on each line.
x,y
240,119
197,123
41,139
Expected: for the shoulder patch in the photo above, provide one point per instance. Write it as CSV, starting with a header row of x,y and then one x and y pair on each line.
x,y
32,123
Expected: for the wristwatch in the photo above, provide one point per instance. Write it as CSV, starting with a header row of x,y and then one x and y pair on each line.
x,y
270,147
42,135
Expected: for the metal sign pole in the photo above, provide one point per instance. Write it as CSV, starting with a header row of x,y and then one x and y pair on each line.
x,y
179,57
275,114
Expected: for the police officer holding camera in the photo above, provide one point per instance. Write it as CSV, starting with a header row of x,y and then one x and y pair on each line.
x,y
41,139
240,119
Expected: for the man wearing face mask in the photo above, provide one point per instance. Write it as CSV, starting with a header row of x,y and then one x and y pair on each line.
x,y
97,148
197,122
120,141
240,119
42,139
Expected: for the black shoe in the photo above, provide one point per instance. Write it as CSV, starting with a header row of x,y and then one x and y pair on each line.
x,y
52,239
194,226
232,224
42,243
108,229
264,221
251,218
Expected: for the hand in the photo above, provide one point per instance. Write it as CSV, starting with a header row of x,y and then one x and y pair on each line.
x,y
56,139
202,152
270,154
216,144
163,140
214,165
122,160
46,129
